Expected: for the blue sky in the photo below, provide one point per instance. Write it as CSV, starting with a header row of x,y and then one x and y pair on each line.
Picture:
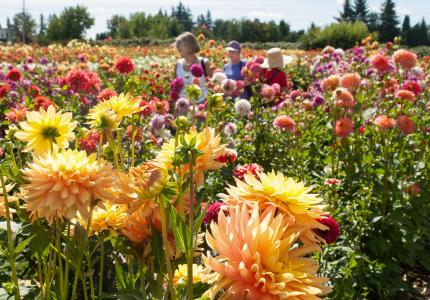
x,y
298,13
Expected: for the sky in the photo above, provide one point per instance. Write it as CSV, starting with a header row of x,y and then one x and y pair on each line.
x,y
298,13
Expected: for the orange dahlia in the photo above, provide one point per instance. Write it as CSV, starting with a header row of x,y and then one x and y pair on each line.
x,y
108,218
137,226
258,257
351,81
208,143
62,184
384,123
343,98
406,59
330,83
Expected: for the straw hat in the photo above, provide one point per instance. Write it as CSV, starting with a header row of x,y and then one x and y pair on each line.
x,y
275,59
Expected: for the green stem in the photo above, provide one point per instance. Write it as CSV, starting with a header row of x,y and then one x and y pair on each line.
x,y
191,226
79,265
166,247
66,268
10,240
133,136
102,264
60,260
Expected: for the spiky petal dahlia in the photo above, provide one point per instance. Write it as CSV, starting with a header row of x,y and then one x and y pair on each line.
x,y
120,106
44,129
258,257
142,183
291,197
61,184
208,143
111,217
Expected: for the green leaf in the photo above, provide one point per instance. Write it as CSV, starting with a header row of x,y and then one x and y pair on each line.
x,y
21,246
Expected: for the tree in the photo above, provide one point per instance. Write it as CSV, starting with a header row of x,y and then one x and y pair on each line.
x,y
118,27
183,15
361,11
424,33
373,22
388,28
71,24
24,27
406,30
42,25
348,14
284,29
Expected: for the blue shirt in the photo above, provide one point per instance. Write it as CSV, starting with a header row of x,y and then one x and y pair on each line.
x,y
234,72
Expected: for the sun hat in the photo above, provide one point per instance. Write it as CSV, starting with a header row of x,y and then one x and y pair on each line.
x,y
233,46
275,59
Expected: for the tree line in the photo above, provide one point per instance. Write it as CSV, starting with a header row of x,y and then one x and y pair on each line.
x,y
355,17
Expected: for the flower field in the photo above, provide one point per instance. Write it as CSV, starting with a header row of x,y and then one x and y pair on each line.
x,y
115,187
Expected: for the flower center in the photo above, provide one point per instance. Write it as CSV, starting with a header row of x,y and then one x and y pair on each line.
x,y
51,133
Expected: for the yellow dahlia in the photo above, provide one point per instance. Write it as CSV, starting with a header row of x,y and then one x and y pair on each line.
x,y
291,197
102,118
44,129
110,217
258,257
208,143
10,199
121,106
61,184
200,274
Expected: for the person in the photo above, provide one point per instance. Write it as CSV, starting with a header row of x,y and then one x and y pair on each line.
x,y
233,69
188,48
272,68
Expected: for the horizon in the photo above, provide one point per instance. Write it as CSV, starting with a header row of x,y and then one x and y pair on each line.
x,y
296,14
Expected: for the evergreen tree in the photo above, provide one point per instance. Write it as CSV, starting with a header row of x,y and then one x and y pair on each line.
x,y
284,29
388,28
42,25
373,21
348,14
209,22
406,30
8,24
361,11
424,33
24,27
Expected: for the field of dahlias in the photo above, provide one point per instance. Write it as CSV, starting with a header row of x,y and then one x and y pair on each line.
x,y
115,187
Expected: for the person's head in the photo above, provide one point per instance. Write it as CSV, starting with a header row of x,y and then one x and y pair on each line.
x,y
275,59
187,44
233,51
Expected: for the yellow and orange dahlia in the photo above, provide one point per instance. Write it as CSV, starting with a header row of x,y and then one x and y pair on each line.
x,y
258,257
63,183
291,197
208,143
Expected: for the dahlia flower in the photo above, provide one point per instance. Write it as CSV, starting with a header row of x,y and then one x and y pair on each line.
x,y
333,232
285,123
137,225
142,183
43,129
200,274
406,59
110,217
242,107
208,143
274,189
258,257
407,126
344,127
230,129
62,184
384,123
124,65
343,98
330,83
116,107
253,169
13,75
351,81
